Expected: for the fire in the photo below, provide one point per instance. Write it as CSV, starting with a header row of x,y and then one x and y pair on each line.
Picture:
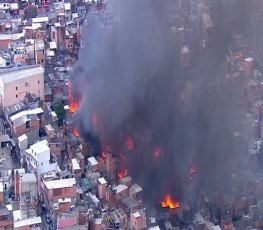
x,y
122,174
129,143
76,132
73,107
104,154
168,202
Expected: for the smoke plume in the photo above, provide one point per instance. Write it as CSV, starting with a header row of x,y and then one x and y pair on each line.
x,y
129,75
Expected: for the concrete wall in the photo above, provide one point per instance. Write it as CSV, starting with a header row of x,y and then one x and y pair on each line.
x,y
15,91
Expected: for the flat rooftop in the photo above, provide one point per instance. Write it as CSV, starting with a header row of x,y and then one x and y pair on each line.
x,y
16,73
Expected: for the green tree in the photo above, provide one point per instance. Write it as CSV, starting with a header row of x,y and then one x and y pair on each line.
x,y
60,111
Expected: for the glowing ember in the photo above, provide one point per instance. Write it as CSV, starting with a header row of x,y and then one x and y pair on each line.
x,y
129,143
168,202
76,132
122,174
73,107
104,154
156,153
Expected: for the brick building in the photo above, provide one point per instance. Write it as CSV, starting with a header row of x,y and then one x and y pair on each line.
x,y
58,189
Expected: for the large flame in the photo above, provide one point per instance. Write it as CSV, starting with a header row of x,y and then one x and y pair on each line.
x,y
168,202
122,174
73,105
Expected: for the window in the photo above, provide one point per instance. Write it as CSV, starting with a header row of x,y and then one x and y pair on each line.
x,y
38,82
38,91
42,61
16,96
26,84
27,124
16,88
43,51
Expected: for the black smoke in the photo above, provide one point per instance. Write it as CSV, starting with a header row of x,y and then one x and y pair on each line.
x,y
129,74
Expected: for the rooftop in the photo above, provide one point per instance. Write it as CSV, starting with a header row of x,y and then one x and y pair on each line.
x,y
22,138
62,183
217,227
136,214
75,164
28,177
30,221
119,188
102,180
92,161
22,120
39,20
11,36
37,148
18,73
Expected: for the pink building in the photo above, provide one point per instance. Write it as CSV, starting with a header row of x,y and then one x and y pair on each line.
x,y
93,164
138,220
102,185
120,191
17,81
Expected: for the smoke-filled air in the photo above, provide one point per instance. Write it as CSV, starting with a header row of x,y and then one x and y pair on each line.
x,y
170,128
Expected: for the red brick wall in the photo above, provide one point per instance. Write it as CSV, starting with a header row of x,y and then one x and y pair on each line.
x,y
4,43
23,228
63,207
40,58
20,130
122,194
65,193
6,224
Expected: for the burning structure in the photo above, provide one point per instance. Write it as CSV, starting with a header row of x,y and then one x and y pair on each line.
x,y
129,84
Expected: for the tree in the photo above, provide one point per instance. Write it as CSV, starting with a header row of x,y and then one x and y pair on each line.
x,y
60,111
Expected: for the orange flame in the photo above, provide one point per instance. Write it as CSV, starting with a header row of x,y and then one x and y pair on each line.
x,y
168,202
122,174
76,132
129,143
73,107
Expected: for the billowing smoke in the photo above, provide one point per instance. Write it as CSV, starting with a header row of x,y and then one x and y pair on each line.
x,y
129,75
